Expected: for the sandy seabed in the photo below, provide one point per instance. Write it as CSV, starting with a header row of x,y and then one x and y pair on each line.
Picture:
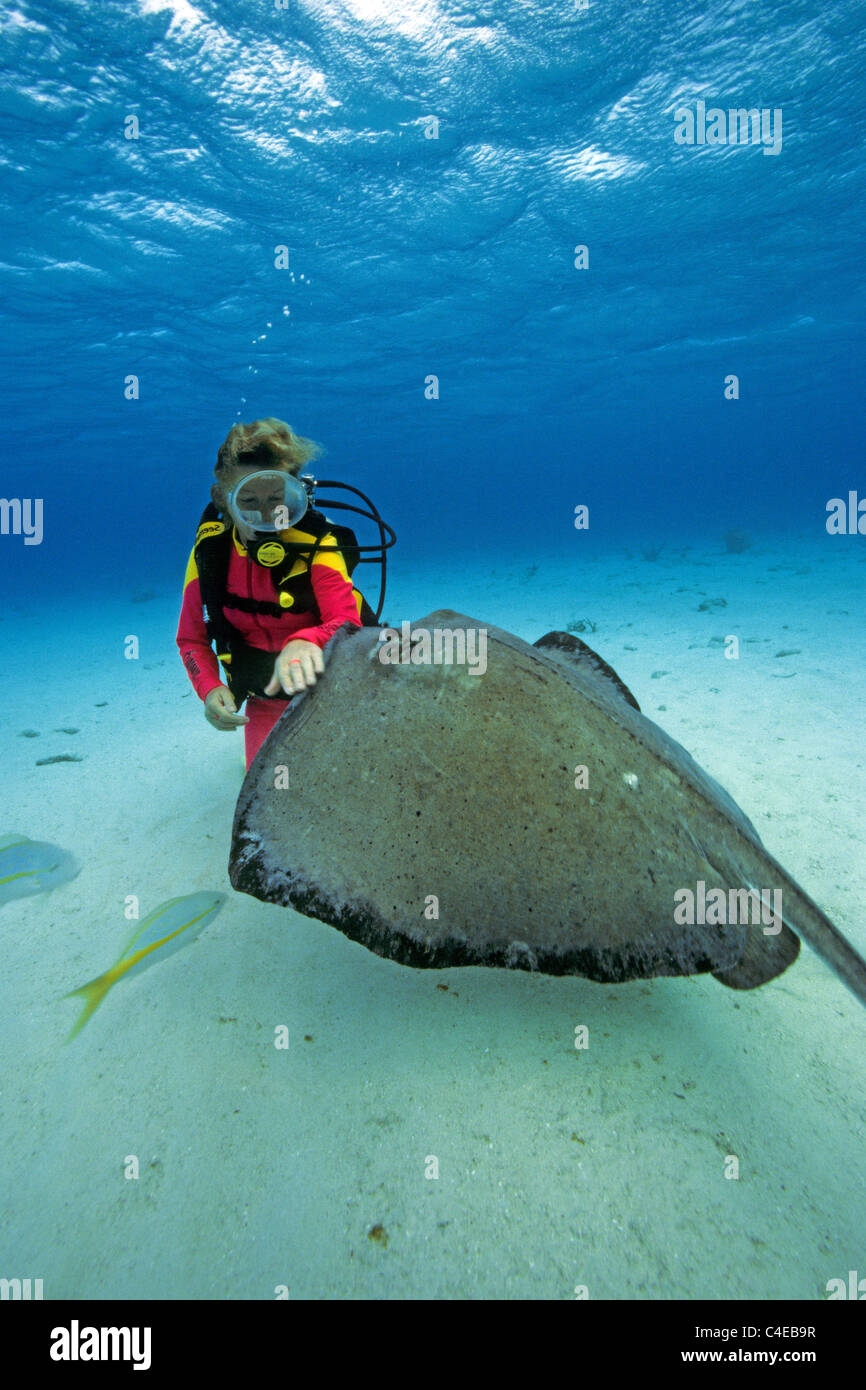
x,y
558,1168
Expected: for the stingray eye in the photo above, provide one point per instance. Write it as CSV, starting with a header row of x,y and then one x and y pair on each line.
x,y
630,779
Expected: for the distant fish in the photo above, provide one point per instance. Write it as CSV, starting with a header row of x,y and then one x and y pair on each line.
x,y
32,866
167,929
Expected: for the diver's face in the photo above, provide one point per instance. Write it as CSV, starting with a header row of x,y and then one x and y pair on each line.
x,y
262,496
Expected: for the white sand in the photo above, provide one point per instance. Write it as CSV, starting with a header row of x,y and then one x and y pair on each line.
x,y
557,1168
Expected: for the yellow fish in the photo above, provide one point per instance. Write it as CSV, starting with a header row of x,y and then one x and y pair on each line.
x,y
167,929
32,866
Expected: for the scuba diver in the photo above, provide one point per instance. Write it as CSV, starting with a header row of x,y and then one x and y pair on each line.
x,y
269,580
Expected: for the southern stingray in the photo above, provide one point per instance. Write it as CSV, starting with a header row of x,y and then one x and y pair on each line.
x,y
518,811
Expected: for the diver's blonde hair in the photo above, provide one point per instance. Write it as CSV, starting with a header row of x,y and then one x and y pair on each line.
x,y
267,443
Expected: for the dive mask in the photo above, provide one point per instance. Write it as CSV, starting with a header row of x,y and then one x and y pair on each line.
x,y
262,505
267,502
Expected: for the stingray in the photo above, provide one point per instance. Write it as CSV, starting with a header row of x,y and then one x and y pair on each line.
x,y
515,810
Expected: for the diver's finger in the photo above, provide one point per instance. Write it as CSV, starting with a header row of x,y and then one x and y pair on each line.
x,y
224,712
293,680
318,660
281,680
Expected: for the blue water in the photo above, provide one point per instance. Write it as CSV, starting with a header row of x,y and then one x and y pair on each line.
x,y
408,256
419,250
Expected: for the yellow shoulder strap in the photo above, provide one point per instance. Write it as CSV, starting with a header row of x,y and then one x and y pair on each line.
x,y
191,569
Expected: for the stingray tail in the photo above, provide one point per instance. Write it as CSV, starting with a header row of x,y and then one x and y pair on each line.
x,y
768,954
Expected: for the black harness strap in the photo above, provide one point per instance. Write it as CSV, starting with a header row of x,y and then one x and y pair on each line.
x,y
248,669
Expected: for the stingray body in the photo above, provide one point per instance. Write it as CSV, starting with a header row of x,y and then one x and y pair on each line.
x,y
518,811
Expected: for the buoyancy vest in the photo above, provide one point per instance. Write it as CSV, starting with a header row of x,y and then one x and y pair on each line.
x,y
248,669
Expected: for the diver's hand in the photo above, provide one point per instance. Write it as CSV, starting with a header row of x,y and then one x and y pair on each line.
x,y
296,667
220,709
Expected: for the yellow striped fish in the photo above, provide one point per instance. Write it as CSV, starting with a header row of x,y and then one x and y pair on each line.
x,y
32,866
167,929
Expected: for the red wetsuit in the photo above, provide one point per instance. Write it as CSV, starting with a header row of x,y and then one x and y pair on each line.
x,y
335,600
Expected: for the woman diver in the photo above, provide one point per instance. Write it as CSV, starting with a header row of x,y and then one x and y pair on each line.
x,y
267,582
